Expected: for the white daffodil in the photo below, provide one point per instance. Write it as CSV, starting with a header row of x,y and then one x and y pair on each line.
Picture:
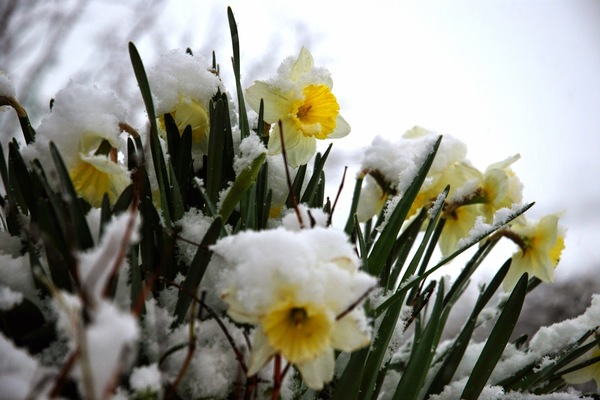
x,y
84,126
301,292
300,97
585,374
183,86
540,246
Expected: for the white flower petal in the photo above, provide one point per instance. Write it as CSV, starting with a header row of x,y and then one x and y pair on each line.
x,y
275,104
303,64
342,128
316,372
350,333
261,352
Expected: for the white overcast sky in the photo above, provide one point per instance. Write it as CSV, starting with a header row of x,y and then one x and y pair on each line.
x,y
505,77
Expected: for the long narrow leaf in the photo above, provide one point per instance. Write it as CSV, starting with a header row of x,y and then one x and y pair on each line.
x,y
496,342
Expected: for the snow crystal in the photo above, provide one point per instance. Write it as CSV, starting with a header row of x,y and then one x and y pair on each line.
x,y
110,340
20,373
96,265
481,229
455,389
562,334
311,217
6,86
15,273
309,259
9,298
178,75
146,379
214,368
250,148
194,225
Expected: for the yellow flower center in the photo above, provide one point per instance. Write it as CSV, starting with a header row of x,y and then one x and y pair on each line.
x,y
298,332
556,251
316,114
91,183
190,112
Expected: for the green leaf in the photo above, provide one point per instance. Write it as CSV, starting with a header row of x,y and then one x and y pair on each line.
x,y
155,147
296,185
235,42
311,187
196,270
81,230
19,181
454,355
422,353
496,342
216,143
356,195
243,182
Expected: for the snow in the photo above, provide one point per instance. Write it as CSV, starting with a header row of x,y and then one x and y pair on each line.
x,y
20,373
15,273
311,217
178,75
481,229
213,369
9,298
250,148
81,118
561,334
320,263
96,265
454,390
146,379
6,86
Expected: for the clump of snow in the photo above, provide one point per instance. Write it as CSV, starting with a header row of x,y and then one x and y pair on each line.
x,y
110,340
15,273
7,88
81,118
146,379
178,75
311,217
455,389
562,334
481,229
20,374
214,368
311,260
194,225
96,265
250,149
9,298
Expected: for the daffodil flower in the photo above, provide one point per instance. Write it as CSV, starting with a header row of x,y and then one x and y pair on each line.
x,y
540,246
301,292
84,126
183,86
585,374
301,98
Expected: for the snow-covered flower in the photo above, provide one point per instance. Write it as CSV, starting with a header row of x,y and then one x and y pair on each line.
x,y
183,86
300,289
300,96
540,246
586,374
84,126
392,166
